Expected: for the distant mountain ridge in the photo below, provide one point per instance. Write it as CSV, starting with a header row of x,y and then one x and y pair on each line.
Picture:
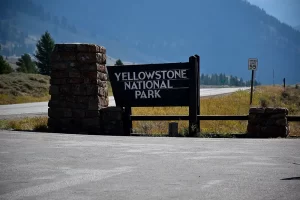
x,y
224,33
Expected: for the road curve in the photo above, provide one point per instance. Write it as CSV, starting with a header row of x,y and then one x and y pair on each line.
x,y
41,108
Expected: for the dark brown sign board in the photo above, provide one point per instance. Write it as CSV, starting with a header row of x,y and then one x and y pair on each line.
x,y
157,85
151,85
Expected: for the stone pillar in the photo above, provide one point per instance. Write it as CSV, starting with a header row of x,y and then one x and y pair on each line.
x,y
78,88
268,122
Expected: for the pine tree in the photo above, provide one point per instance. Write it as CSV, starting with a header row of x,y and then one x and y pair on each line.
x,y
26,65
119,62
5,68
44,47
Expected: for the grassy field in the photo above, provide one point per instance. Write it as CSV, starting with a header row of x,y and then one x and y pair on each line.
x,y
25,124
23,88
26,88
233,104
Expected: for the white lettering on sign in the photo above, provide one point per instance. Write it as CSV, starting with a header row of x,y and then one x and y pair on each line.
x,y
141,94
147,84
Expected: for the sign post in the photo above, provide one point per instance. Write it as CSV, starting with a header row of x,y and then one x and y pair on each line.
x,y
151,85
198,89
252,65
193,93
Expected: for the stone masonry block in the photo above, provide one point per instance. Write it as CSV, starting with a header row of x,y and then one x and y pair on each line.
x,y
278,116
103,101
59,112
102,76
65,90
111,121
66,65
53,90
90,81
91,58
270,122
79,47
75,80
101,68
84,89
90,121
92,75
281,122
92,113
276,110
102,83
74,74
92,48
78,113
256,110
102,91
57,104
76,89
65,48
91,89
59,74
58,81
63,56
59,66
274,131
81,99
93,103
91,67
253,129
111,114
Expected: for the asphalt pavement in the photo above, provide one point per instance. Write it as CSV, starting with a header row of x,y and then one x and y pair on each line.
x,y
64,166
41,108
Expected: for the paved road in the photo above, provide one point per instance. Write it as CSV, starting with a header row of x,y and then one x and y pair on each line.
x,y
64,166
41,108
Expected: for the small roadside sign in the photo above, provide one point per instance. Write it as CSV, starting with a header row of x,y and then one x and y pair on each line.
x,y
252,63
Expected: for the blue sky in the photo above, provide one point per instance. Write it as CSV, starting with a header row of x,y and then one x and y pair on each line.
x,y
287,11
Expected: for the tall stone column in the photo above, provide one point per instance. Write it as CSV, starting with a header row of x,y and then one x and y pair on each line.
x,y
78,88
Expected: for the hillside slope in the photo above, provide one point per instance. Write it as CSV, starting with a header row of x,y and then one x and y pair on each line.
x,y
224,33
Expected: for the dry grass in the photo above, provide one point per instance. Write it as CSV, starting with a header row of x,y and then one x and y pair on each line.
x,y
110,93
234,104
25,124
23,88
26,88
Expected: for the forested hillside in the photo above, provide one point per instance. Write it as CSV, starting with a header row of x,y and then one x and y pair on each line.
x,y
224,33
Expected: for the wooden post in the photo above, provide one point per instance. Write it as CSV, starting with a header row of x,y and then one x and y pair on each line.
x,y
273,78
173,129
284,84
193,97
127,121
198,90
251,94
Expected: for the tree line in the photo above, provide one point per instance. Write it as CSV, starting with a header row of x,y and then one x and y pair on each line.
x,y
222,79
27,64
42,65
